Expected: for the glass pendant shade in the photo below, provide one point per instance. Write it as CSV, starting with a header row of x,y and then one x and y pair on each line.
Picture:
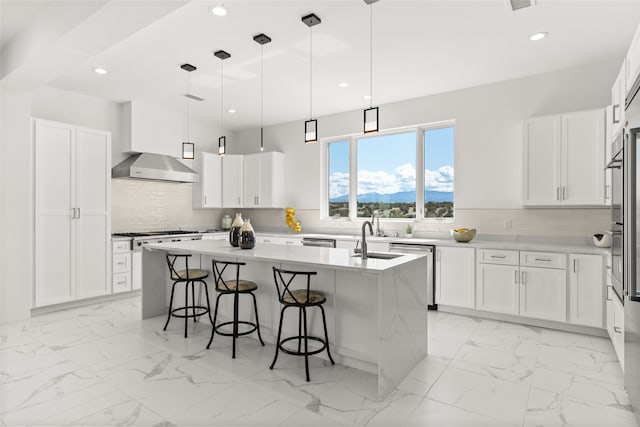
x,y
311,131
222,145
188,150
371,120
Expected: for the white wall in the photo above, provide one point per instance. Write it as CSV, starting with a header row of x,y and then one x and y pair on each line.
x,y
16,231
488,139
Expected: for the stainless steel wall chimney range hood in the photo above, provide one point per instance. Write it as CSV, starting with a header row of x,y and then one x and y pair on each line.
x,y
154,167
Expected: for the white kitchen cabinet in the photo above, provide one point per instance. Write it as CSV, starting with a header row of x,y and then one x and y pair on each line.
x,y
264,180
274,240
232,180
586,290
207,192
616,328
618,93
72,212
542,159
455,276
632,63
543,293
608,173
497,288
564,160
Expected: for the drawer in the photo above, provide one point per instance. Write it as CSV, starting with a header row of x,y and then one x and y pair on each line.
x,y
543,259
121,263
121,282
498,256
121,246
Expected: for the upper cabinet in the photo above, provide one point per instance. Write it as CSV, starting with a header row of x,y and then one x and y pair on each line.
x,y
232,180
207,192
618,92
632,64
263,180
151,129
564,160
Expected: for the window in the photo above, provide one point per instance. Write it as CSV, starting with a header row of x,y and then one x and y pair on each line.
x,y
438,173
386,178
338,160
407,174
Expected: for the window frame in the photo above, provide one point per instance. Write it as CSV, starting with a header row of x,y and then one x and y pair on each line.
x,y
352,140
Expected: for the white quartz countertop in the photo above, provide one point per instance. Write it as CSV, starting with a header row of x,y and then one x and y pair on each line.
x,y
324,257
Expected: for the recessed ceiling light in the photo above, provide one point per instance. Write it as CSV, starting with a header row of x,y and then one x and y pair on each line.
x,y
99,70
218,10
538,36
367,97
231,111
343,84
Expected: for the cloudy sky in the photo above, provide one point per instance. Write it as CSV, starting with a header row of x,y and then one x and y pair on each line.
x,y
386,164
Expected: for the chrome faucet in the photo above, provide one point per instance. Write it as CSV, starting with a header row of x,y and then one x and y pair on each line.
x,y
376,214
364,238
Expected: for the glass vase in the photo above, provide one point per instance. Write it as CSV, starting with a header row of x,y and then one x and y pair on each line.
x,y
234,234
247,236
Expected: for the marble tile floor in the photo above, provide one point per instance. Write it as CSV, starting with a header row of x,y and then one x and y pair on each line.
x,y
100,366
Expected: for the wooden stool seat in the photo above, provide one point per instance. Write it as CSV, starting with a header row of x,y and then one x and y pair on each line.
x,y
241,286
299,296
192,274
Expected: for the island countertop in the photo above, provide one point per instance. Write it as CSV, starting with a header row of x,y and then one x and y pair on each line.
x,y
342,259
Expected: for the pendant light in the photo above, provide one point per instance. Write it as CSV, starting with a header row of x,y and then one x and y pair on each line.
x,y
311,125
262,39
222,141
188,148
371,123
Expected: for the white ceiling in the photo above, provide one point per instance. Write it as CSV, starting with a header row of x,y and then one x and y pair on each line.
x,y
419,47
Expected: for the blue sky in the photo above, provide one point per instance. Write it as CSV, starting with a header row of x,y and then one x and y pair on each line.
x,y
386,163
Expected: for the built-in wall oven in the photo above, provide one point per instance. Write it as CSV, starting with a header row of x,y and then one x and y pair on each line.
x,y
617,216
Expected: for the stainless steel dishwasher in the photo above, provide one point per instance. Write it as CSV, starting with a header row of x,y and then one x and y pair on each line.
x,y
422,248
319,241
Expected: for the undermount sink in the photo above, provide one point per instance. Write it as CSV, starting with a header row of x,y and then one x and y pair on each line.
x,y
379,255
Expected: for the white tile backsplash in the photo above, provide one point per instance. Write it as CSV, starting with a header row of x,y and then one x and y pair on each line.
x,y
521,222
138,205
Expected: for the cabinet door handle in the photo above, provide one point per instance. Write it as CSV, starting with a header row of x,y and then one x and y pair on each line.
x,y
543,259
608,287
575,265
564,193
615,120
205,200
499,256
524,277
73,213
617,330
78,213
557,193
515,277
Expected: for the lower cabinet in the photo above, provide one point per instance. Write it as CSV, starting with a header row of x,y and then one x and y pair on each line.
x,y
507,283
586,290
121,266
497,288
615,324
543,293
455,276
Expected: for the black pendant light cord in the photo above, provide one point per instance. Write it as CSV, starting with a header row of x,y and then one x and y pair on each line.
x,y
371,55
188,108
310,73
222,97
261,97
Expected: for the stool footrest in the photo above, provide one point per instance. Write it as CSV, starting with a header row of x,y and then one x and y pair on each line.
x,y
240,322
301,338
201,311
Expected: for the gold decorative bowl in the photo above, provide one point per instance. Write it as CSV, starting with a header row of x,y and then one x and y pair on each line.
x,y
463,234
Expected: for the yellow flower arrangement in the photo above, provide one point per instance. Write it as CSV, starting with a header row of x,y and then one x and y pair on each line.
x,y
291,221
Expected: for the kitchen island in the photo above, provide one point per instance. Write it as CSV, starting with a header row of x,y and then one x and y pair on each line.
x,y
376,308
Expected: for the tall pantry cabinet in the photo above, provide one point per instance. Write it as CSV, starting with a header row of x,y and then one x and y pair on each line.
x,y
72,212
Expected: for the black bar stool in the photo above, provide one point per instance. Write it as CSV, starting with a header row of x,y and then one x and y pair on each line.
x,y
235,288
300,298
187,276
